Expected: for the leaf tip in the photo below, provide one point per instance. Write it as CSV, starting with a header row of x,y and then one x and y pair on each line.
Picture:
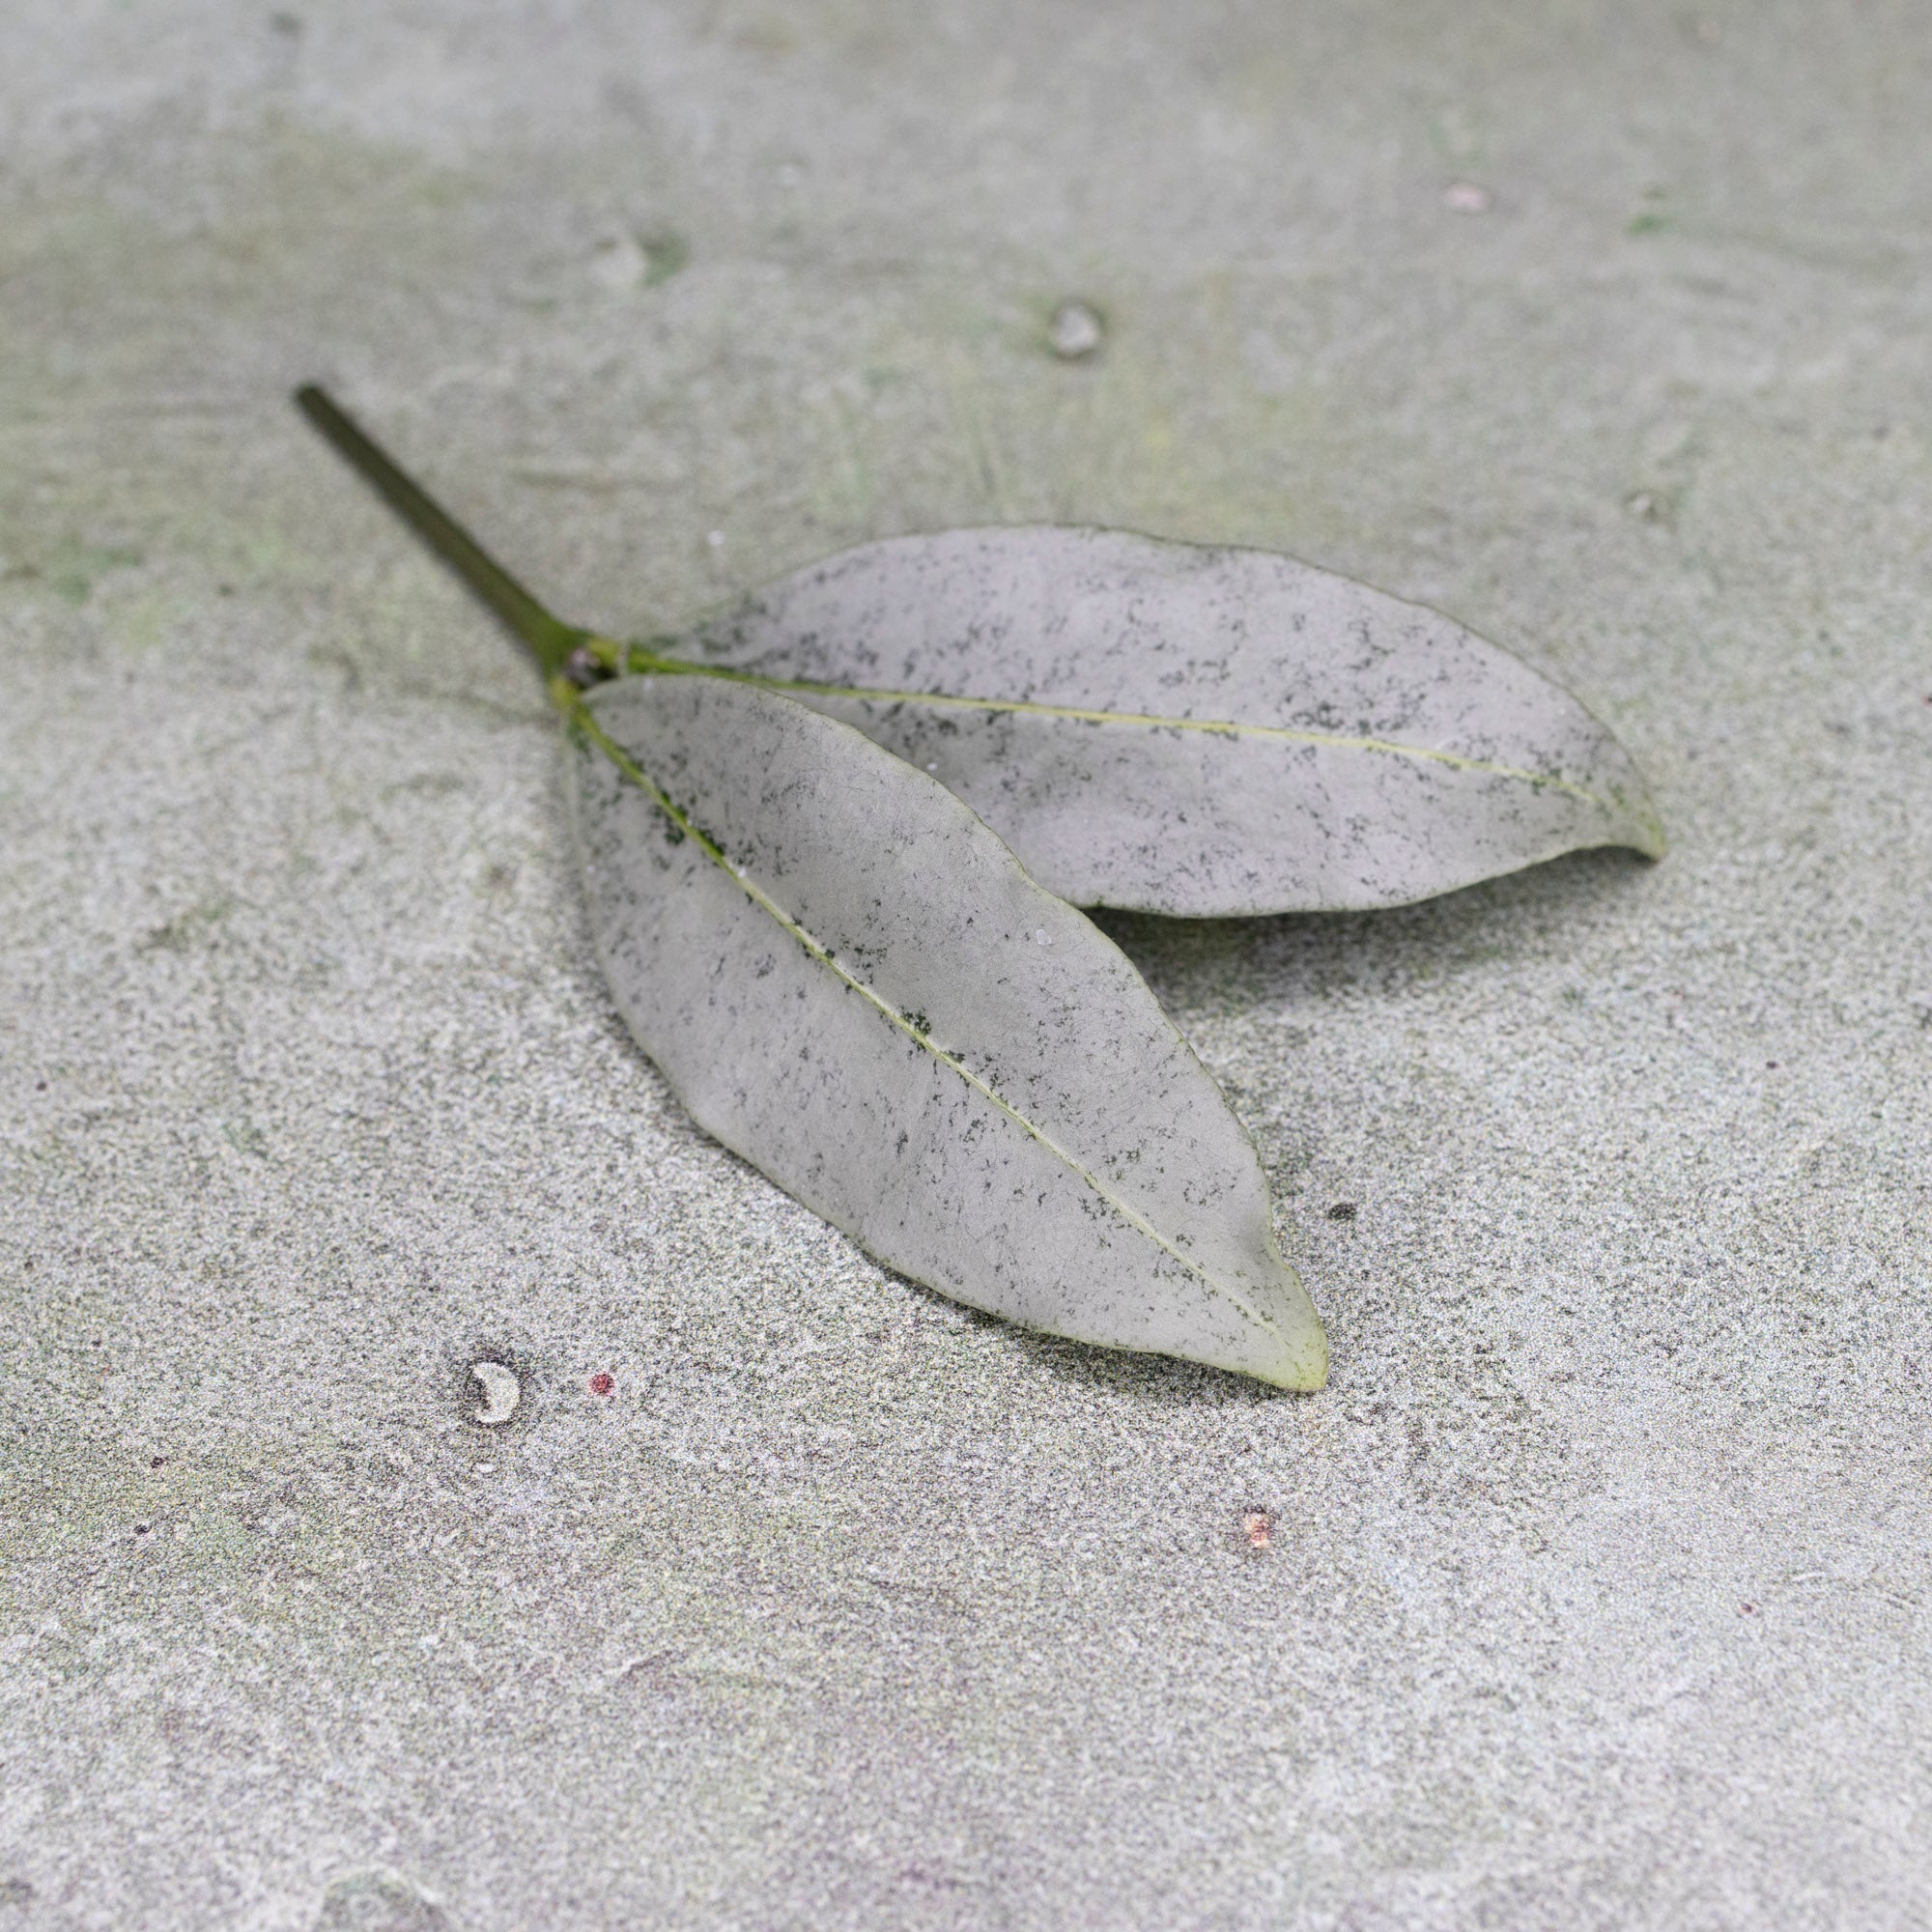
x,y
1290,1351
1300,1363
1643,826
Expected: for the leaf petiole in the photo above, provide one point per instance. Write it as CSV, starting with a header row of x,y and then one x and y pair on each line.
x,y
551,642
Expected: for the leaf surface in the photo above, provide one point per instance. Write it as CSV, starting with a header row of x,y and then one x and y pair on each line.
x,y
851,982
1187,730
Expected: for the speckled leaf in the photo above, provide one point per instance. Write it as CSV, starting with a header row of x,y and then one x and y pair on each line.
x,y
1188,730
849,980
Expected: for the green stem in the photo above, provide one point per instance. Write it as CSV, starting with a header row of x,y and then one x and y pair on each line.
x,y
547,637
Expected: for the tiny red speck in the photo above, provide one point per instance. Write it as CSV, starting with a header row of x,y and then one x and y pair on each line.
x,y
601,1384
1257,1526
1746,1610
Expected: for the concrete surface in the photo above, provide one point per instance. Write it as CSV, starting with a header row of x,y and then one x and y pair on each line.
x,y
1597,1589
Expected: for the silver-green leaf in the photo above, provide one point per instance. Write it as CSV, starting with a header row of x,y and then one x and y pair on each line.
x,y
852,983
1189,730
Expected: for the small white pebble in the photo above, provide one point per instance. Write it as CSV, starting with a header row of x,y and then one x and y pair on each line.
x,y
1039,937
1467,198
715,538
617,263
501,1392
1074,331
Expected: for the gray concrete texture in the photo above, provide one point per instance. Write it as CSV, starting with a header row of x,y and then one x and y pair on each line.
x,y
1597,1587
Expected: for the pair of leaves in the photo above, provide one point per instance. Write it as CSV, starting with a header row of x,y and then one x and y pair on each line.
x,y
829,843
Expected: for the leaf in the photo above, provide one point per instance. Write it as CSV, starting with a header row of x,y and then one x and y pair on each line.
x,y
850,982
1187,731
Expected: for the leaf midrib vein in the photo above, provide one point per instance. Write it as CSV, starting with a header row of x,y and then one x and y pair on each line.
x,y
581,718
636,659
